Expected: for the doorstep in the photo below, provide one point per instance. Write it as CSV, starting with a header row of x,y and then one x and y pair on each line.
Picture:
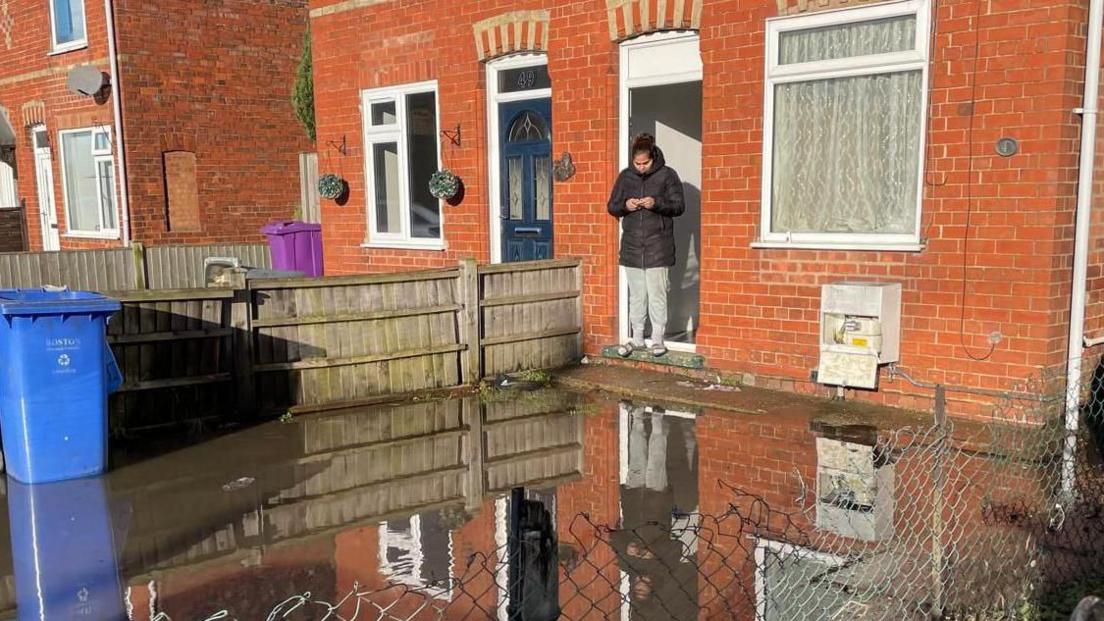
x,y
672,358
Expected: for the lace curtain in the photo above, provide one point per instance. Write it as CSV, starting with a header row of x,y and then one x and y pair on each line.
x,y
846,149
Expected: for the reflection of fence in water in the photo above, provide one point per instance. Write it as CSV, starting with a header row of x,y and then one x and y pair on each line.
x,y
380,463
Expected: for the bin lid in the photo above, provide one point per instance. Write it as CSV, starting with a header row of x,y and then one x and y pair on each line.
x,y
289,226
51,301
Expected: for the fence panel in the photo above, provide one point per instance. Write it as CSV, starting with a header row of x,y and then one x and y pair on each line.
x,y
181,267
174,347
531,315
316,341
94,270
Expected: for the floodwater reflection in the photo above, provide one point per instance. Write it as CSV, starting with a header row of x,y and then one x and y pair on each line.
x,y
530,506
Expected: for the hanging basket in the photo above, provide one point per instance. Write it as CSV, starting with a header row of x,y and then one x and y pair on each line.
x,y
443,184
330,186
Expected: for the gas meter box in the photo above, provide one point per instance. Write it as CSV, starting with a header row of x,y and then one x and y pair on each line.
x,y
860,329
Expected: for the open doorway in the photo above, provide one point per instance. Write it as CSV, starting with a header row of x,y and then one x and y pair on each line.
x,y
661,93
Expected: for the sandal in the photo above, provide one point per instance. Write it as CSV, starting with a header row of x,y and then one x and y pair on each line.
x,y
658,350
626,350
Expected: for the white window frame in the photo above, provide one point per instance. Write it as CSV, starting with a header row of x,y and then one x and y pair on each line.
x,y
396,133
781,548
410,542
59,48
98,156
875,64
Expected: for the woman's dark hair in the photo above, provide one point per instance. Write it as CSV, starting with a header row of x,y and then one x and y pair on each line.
x,y
643,143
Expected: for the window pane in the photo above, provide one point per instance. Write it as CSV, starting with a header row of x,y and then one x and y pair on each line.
x,y
105,169
846,155
528,126
880,36
383,113
421,144
68,21
41,139
81,188
514,181
103,143
523,79
795,587
542,186
385,169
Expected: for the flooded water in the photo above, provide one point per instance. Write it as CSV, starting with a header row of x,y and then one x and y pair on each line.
x,y
622,510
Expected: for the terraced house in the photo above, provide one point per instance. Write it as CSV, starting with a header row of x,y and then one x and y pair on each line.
x,y
927,149
134,120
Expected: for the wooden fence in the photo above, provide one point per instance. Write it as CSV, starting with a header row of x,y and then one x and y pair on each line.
x,y
95,270
270,345
119,269
175,348
180,267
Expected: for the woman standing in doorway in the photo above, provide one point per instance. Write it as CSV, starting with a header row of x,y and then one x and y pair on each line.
x,y
646,197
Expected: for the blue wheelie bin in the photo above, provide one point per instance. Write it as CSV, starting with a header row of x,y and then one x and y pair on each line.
x,y
56,371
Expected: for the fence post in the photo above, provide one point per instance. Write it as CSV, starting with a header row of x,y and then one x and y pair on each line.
x,y
467,288
241,321
141,280
472,409
937,525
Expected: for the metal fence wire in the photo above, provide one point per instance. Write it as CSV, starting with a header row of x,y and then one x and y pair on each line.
x,y
950,521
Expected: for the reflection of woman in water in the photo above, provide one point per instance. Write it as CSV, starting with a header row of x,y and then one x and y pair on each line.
x,y
660,488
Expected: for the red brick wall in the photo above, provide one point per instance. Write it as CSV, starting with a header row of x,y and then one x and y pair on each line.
x,y
214,79
760,306
31,74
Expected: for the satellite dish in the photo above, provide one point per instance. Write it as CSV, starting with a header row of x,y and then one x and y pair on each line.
x,y
86,80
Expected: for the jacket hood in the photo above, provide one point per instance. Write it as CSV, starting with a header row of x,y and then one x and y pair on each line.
x,y
657,162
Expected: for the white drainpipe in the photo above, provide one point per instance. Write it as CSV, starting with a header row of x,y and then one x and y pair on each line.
x,y
1082,231
117,105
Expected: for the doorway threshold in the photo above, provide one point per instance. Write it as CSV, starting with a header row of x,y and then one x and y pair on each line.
x,y
672,358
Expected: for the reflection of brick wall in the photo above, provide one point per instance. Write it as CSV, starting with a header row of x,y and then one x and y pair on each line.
x,y
11,230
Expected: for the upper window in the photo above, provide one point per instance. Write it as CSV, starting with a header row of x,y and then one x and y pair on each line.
x,y
88,178
68,29
401,148
843,127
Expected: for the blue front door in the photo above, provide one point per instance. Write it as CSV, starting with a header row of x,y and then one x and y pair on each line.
x,y
526,166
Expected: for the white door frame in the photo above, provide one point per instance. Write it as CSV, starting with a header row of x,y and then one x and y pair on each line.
x,y
9,194
44,184
494,149
679,73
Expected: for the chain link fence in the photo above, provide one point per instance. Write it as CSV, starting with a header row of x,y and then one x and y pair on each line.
x,y
1003,520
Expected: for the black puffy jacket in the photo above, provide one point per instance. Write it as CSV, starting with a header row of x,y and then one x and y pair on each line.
x,y
648,235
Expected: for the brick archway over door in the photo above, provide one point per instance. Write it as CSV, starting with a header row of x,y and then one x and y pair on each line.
x,y
510,33
628,18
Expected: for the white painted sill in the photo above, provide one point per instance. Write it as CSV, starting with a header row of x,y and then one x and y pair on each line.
x,y
436,246
83,235
906,247
68,47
